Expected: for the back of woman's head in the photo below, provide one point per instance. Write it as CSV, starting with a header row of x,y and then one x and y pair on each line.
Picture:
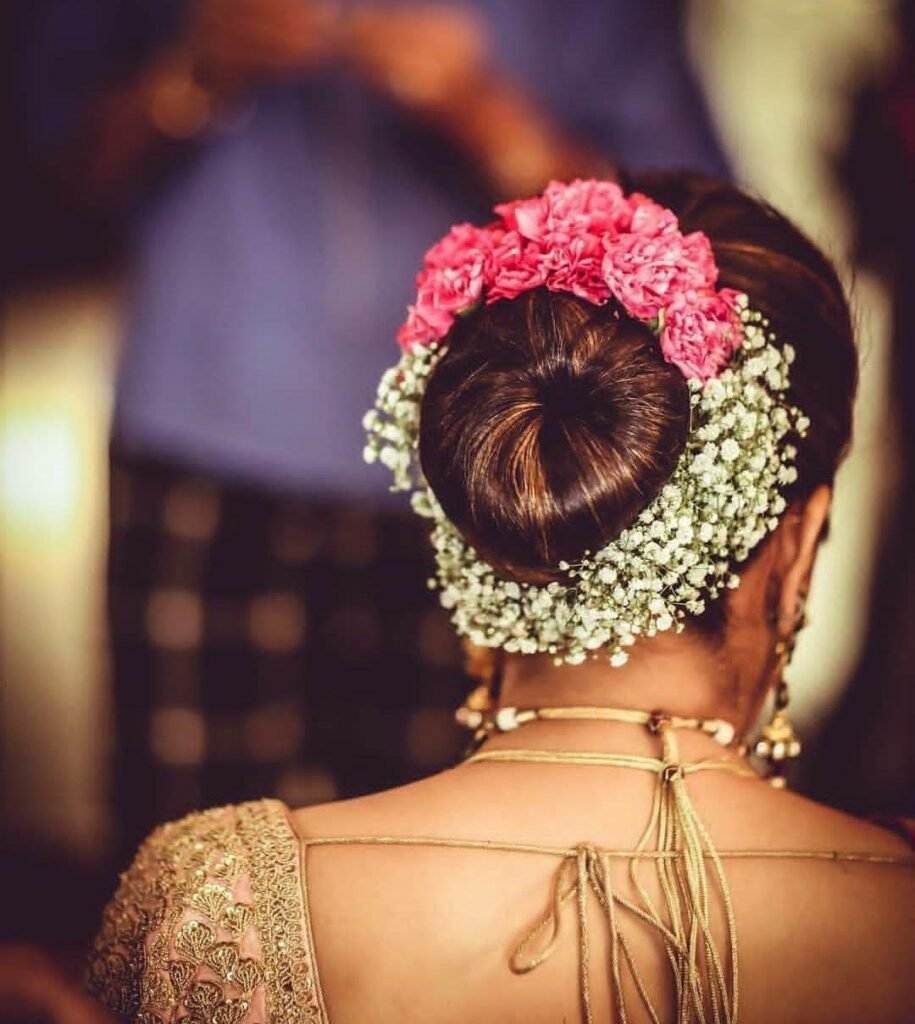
x,y
549,423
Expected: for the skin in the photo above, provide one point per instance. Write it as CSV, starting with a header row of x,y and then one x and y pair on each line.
x,y
422,934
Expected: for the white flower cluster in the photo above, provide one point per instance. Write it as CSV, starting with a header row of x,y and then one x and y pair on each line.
x,y
722,499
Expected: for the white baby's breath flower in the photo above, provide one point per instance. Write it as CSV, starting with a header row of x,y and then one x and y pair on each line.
x,y
730,449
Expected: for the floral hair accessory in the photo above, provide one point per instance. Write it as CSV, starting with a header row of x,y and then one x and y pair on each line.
x,y
589,239
724,496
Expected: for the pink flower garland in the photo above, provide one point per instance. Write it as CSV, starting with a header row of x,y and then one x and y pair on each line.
x,y
591,240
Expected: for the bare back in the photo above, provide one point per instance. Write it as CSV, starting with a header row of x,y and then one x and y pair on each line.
x,y
425,933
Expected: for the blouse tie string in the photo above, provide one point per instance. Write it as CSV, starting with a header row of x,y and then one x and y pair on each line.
x,y
689,873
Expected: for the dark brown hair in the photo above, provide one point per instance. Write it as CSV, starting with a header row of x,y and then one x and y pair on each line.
x,y
550,423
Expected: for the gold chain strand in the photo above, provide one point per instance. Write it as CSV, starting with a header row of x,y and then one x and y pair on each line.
x,y
507,719
601,760
832,856
684,879
581,891
706,991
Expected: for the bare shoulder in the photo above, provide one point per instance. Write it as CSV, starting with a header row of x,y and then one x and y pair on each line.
x,y
404,810
794,821
837,915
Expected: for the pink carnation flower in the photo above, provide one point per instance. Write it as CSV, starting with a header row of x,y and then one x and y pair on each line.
x,y
701,332
567,211
517,266
451,281
577,268
424,324
649,218
450,289
586,207
528,217
464,245
564,228
590,240
645,271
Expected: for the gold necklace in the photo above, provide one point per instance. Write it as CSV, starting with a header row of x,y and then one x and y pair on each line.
x,y
485,723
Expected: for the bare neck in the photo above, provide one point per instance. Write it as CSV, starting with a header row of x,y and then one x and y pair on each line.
x,y
677,675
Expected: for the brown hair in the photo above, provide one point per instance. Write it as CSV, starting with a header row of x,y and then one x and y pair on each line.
x,y
550,423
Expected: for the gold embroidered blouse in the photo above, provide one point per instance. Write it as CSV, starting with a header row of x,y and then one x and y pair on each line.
x,y
208,926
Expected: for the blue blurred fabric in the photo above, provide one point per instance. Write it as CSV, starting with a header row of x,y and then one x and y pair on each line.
x,y
272,267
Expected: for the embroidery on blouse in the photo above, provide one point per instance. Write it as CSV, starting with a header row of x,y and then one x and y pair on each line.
x,y
206,926
293,993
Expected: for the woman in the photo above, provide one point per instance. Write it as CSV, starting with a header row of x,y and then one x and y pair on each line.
x,y
614,412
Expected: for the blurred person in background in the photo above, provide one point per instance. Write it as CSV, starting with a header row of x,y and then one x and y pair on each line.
x,y
282,163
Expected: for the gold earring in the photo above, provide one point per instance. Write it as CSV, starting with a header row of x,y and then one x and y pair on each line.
x,y
481,664
778,742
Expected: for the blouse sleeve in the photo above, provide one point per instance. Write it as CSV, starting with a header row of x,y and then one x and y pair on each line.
x,y
180,939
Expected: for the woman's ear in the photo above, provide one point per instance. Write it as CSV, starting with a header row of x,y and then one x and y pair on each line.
x,y
800,531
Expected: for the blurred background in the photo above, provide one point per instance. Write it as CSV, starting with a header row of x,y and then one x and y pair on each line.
x,y
216,210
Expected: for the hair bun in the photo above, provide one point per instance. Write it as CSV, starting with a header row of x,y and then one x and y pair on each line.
x,y
547,426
